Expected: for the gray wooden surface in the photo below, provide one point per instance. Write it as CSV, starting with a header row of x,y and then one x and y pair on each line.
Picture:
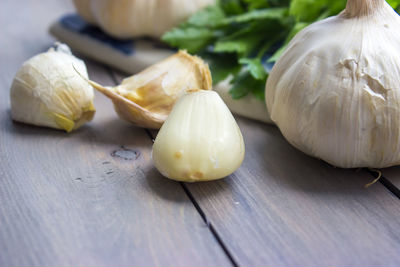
x,y
67,199
93,198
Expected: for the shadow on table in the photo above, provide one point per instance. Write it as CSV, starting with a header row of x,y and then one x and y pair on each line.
x,y
164,188
14,127
117,132
171,190
105,131
274,162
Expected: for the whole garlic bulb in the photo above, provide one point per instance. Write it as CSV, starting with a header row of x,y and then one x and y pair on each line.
x,y
200,139
335,92
47,91
132,18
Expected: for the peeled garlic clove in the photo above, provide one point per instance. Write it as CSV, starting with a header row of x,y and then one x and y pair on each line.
x,y
47,91
146,99
199,141
335,93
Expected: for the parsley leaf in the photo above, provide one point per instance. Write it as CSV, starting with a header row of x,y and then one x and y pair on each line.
x,y
192,39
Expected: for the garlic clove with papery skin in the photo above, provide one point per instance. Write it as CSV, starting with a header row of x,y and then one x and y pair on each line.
x,y
335,92
145,99
200,140
47,91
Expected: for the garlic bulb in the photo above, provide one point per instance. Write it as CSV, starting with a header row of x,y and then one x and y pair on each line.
x,y
132,18
146,99
335,92
47,91
199,141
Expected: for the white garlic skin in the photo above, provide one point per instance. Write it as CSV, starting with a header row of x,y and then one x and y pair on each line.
x,y
133,18
199,141
47,91
335,92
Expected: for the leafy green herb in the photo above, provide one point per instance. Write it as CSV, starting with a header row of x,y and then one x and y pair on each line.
x,y
192,39
221,65
255,67
240,37
244,83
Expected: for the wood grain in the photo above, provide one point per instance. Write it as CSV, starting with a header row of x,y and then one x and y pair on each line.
x,y
92,197
283,208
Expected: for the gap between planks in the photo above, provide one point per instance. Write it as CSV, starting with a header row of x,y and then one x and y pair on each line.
x,y
196,205
385,182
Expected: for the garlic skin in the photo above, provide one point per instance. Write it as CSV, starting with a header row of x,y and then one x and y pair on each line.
x,y
335,92
47,91
133,18
145,99
200,140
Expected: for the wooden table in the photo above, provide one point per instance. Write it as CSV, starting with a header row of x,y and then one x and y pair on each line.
x,y
94,198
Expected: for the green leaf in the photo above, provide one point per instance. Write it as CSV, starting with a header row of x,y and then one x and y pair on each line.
x,y
393,3
191,39
221,65
232,7
208,17
241,85
240,45
244,83
249,38
259,90
255,67
257,4
275,3
258,14
310,10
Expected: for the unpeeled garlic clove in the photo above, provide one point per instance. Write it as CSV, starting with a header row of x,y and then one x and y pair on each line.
x,y
47,91
146,99
199,141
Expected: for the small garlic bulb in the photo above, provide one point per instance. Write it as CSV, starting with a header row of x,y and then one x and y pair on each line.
x,y
200,139
47,91
145,99
133,18
335,92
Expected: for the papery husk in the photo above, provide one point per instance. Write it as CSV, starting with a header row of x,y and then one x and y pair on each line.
x,y
146,99
46,91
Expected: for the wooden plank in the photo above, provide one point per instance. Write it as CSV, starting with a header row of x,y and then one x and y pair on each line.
x,y
80,199
283,208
